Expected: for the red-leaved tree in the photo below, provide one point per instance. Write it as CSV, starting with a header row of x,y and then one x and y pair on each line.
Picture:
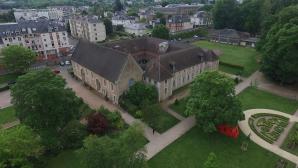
x,y
97,123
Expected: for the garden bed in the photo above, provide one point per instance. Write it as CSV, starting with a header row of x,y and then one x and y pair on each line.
x,y
288,143
268,126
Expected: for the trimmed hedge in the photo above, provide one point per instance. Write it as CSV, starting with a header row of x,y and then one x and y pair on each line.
x,y
199,31
4,87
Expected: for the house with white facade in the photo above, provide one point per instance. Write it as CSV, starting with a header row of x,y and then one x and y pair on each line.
x,y
138,29
90,28
201,18
48,39
34,14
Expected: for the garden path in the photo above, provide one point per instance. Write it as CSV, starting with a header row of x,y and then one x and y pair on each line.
x,y
5,99
244,126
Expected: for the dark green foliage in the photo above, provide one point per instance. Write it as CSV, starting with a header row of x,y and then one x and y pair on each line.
x,y
161,31
106,152
18,59
44,103
118,6
279,48
7,17
109,27
18,147
115,119
139,95
73,134
119,28
213,101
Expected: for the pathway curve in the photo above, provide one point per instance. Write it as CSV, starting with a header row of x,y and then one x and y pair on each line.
x,y
5,99
244,126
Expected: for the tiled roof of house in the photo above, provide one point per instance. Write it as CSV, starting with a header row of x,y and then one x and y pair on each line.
x,y
104,61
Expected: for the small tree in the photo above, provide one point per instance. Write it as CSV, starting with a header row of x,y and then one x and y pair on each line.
x,y
109,27
161,31
211,161
118,5
97,124
213,101
18,59
73,134
19,146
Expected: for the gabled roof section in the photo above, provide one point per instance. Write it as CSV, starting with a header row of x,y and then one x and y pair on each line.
x,y
103,61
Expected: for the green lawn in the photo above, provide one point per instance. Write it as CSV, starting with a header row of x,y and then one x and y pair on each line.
x,y
192,149
158,119
252,98
246,57
286,142
7,115
180,106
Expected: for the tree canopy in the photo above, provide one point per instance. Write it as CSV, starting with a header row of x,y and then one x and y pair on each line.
x,y
44,103
161,31
118,6
213,101
279,47
18,59
109,27
19,146
120,152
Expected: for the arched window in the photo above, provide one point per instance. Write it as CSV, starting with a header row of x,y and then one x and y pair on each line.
x,y
98,86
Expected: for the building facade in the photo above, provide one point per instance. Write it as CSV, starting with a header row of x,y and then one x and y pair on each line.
x,y
88,28
35,14
111,68
178,23
201,18
138,29
48,39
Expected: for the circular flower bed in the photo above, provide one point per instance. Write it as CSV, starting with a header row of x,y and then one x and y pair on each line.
x,y
268,126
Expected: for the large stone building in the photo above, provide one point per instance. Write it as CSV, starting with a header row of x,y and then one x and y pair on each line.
x,y
112,68
179,23
89,28
48,39
177,9
34,14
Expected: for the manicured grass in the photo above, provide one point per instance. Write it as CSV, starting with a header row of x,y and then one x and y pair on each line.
x,y
287,141
7,115
158,119
180,106
66,159
6,78
252,98
246,57
192,149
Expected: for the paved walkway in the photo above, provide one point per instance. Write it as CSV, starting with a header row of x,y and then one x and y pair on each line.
x,y
10,124
244,126
5,99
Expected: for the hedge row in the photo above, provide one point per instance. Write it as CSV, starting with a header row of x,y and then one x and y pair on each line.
x,y
240,67
4,87
273,115
250,122
199,32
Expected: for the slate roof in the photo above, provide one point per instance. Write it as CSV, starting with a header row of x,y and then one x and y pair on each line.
x,y
108,59
104,61
37,26
182,59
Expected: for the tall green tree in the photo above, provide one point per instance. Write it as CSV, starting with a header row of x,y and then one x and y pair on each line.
x,y
109,27
161,31
226,14
211,161
106,152
18,59
19,147
213,101
118,6
43,102
279,47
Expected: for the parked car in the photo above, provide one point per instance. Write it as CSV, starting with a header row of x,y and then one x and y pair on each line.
x,y
195,36
62,63
56,71
67,62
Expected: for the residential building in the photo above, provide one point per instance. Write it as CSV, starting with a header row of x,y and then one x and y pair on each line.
x,y
231,36
47,38
138,29
201,18
123,20
111,68
178,23
34,14
89,28
177,9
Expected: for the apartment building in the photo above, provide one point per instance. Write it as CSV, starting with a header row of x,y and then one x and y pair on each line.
x,y
35,14
88,28
179,23
47,38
